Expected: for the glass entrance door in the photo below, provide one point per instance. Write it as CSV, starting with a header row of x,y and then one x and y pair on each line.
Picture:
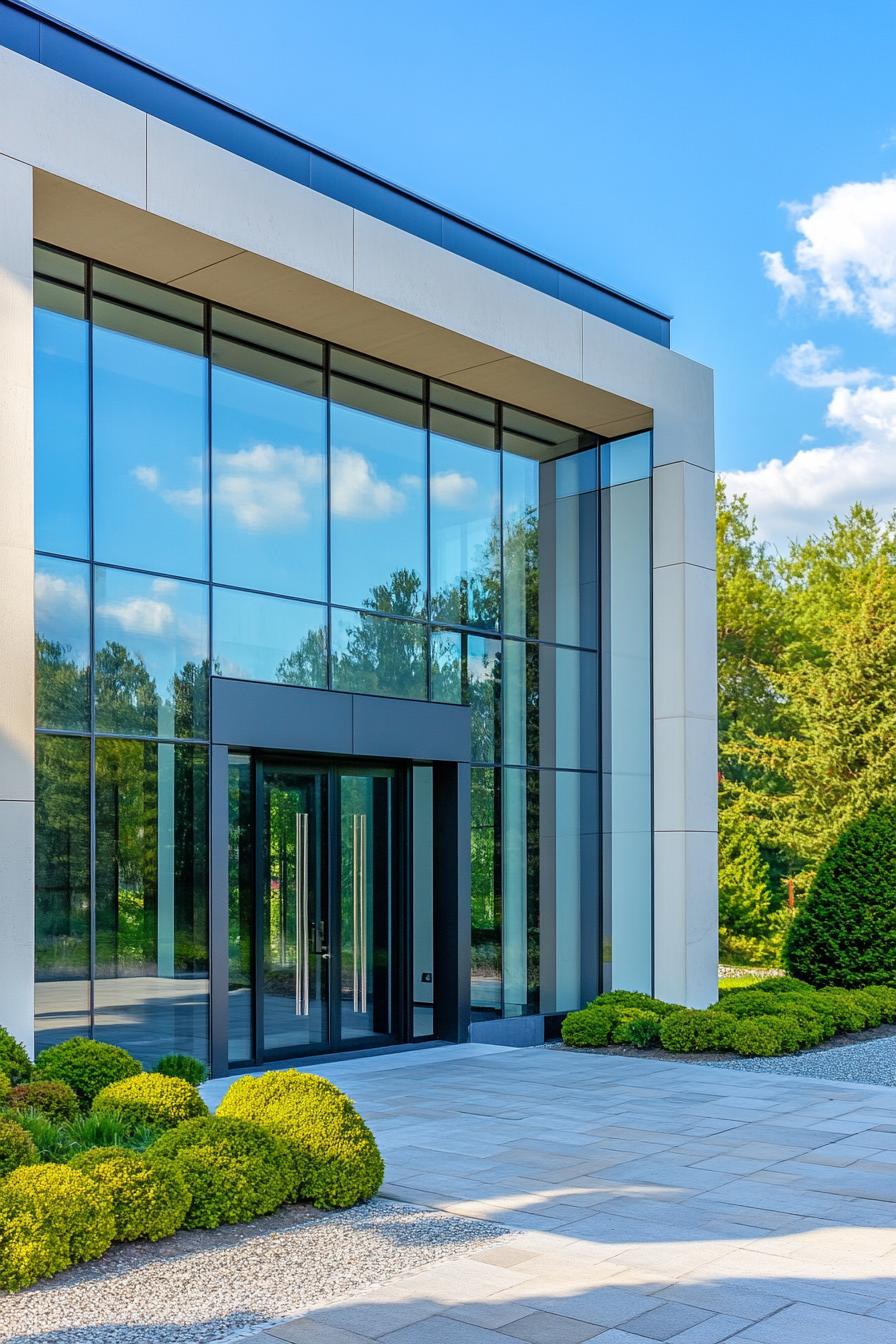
x,y
366,887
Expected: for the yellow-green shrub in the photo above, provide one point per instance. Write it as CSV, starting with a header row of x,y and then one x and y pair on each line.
x,y
151,1099
636,1026
761,1035
5,1089
17,1147
691,1029
150,1197
87,1066
14,1061
56,1101
633,998
50,1217
335,1158
885,999
589,1027
233,1169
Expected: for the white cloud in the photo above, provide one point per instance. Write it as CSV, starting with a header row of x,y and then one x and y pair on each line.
x,y
59,599
846,254
807,438
265,488
357,492
453,490
811,365
140,616
147,476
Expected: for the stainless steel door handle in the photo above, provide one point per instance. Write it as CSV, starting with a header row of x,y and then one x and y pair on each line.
x,y
359,912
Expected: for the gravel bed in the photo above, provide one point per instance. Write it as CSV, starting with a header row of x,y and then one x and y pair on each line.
x,y
867,1061
201,1286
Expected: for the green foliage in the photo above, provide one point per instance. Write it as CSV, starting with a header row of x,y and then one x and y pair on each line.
x,y
17,1148
782,984
845,929
843,1008
14,1061
50,1217
336,1162
763,1036
150,1197
150,1099
183,1066
234,1170
87,1066
59,1141
746,1003
632,998
636,1026
589,1027
751,929
690,1029
56,1101
885,999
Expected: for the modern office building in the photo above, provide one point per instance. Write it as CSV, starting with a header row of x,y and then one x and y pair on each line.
x,y
356,597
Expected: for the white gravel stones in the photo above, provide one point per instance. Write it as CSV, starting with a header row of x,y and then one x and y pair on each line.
x,y
197,1287
865,1062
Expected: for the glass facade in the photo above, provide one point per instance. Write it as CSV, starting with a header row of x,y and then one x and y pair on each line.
x,y
220,496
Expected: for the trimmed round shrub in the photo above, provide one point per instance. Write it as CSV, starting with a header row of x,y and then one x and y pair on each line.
x,y
843,1008
761,1036
14,1061
87,1066
782,984
150,1099
884,998
844,932
747,1003
335,1158
638,1027
233,1169
150,1197
17,1148
632,998
56,1101
50,1217
591,1026
870,1005
183,1066
691,1029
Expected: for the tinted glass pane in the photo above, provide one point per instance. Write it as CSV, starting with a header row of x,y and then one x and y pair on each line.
x,y
61,490
567,708
59,265
151,991
485,847
62,643
377,493
269,473
568,887
466,670
269,638
62,888
464,490
520,887
151,664
519,702
241,911
628,459
150,452
379,656
521,540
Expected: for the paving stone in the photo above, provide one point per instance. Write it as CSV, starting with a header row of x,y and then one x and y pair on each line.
x,y
545,1327
801,1324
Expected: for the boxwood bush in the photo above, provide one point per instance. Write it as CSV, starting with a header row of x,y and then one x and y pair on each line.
x,y
150,1197
591,1026
690,1029
636,1026
87,1066
50,1217
56,1101
335,1160
150,1099
233,1169
17,1148
14,1061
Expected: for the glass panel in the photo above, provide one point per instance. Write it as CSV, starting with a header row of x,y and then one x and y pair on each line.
x,y
366,821
61,418
240,913
378,656
269,472
521,545
464,493
249,331
59,265
260,638
520,891
377,489
626,710
568,887
149,300
62,889
151,663
151,992
295,936
628,459
519,702
466,670
150,427
567,708
422,895
485,848
62,643
533,436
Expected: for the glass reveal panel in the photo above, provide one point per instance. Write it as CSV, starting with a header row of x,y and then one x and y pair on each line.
x,y
377,487
151,660
486,995
567,708
568,887
466,670
61,421
269,462
378,655
62,643
260,638
150,429
62,888
520,702
521,545
151,991
520,871
240,911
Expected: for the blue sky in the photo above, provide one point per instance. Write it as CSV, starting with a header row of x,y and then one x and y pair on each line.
x,y
656,147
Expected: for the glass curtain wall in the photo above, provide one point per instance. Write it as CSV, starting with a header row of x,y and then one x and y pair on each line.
x,y
216,495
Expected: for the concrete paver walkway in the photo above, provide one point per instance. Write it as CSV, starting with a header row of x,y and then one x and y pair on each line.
x,y
654,1201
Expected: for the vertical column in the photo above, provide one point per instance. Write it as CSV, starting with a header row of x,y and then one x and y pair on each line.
x,y
451,899
684,692
16,603
219,910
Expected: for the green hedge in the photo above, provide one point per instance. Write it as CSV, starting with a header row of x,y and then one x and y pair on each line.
x,y
150,1099
14,1061
150,1196
183,1066
87,1066
56,1101
50,1217
234,1170
335,1159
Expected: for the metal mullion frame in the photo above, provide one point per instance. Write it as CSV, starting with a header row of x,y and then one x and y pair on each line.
x,y
88,313
329,489
427,614
259,823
